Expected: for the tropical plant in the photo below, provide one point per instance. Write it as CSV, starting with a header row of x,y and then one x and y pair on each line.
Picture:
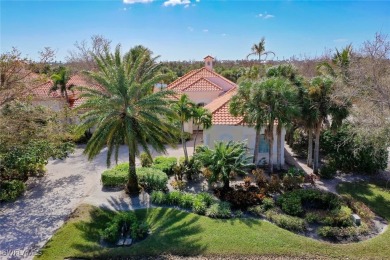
x,y
125,109
202,117
259,50
60,82
226,158
184,108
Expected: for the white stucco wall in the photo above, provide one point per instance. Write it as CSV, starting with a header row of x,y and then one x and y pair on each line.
x,y
240,133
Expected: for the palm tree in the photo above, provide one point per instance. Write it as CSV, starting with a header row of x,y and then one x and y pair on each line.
x,y
259,50
225,159
126,110
184,108
243,104
60,81
202,117
339,66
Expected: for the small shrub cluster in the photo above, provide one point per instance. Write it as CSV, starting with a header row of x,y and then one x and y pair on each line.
x,y
202,203
127,223
328,171
11,190
267,204
240,197
359,208
294,202
146,160
341,233
339,218
286,221
165,164
178,185
219,210
149,178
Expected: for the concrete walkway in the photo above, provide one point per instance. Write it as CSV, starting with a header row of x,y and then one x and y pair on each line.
x,y
28,223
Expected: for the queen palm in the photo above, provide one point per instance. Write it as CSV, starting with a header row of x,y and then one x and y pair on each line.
x,y
184,108
225,159
259,50
125,109
202,117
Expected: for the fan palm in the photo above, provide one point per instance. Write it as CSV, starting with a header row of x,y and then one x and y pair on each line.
x,y
125,109
226,158
184,108
202,117
259,50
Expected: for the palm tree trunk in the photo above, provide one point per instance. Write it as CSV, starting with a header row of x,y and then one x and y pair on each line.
x,y
271,146
132,184
196,136
317,148
183,141
310,148
256,150
278,148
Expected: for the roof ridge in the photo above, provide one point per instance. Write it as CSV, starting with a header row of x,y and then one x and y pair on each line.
x,y
220,76
182,78
202,78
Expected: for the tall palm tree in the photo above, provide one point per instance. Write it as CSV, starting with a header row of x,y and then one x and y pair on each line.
x,y
339,66
202,117
184,108
60,82
226,158
259,50
243,104
125,109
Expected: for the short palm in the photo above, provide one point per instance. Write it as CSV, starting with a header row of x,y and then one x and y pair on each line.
x,y
225,159
126,110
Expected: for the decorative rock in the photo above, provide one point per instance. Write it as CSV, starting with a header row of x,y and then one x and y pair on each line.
x,y
356,219
120,242
128,241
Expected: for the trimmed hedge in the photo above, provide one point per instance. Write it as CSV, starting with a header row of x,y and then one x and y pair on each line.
x,y
148,178
11,190
164,164
294,202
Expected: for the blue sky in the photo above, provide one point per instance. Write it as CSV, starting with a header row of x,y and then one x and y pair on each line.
x,y
192,29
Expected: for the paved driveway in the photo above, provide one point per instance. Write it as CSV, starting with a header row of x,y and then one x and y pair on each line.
x,y
27,224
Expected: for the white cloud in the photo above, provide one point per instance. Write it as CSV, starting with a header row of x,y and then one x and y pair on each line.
x,y
177,2
224,35
190,29
205,30
265,16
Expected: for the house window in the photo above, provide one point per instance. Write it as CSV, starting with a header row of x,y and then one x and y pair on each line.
x,y
263,145
201,104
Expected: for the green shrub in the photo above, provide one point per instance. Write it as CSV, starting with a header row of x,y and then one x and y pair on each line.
x,y
152,179
314,217
124,222
146,160
359,208
199,206
268,203
116,176
206,198
186,200
219,210
158,197
343,232
340,217
257,210
294,202
351,153
238,214
328,171
173,198
165,164
11,190
285,221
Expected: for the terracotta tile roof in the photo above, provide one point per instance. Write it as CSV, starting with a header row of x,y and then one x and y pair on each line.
x,y
193,76
219,109
202,84
43,91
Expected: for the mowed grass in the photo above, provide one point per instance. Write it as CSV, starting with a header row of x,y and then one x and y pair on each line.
x,y
181,233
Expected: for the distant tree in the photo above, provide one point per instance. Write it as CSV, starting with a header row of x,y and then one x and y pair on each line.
x,y
224,160
60,82
259,50
126,110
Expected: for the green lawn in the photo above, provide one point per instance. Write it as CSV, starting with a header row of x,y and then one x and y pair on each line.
x,y
181,233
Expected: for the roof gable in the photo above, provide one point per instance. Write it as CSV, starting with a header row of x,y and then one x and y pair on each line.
x,y
202,84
